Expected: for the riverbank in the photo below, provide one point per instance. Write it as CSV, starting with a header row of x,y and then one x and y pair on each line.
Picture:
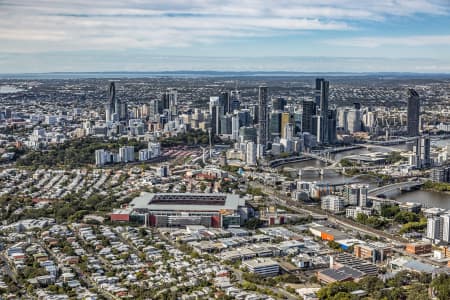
x,y
441,187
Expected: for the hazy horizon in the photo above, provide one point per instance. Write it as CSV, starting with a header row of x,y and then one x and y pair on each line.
x,y
167,64
232,35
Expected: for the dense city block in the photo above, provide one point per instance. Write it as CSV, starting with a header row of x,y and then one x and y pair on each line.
x,y
235,187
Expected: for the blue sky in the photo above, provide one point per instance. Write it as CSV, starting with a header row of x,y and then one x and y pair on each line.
x,y
289,35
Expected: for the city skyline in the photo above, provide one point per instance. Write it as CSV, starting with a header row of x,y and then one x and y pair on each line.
x,y
225,149
324,36
137,188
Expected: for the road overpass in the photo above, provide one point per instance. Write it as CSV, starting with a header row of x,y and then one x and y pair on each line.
x,y
398,141
402,186
288,160
322,156
387,148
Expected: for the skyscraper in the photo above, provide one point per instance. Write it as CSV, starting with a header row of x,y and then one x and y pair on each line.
x,y
155,109
235,127
331,127
421,153
251,154
172,95
109,107
112,97
434,228
169,101
278,103
165,100
286,118
445,227
342,116
115,109
425,153
309,109
354,120
263,115
413,113
275,125
216,113
123,111
356,194
225,102
322,134
317,90
235,100
126,154
226,124
288,131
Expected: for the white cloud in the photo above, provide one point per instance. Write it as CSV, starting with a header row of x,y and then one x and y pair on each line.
x,y
58,25
409,41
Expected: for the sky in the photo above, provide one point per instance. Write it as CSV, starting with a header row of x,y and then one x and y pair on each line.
x,y
227,35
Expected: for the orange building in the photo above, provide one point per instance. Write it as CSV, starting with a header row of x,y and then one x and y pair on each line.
x,y
327,236
363,251
418,248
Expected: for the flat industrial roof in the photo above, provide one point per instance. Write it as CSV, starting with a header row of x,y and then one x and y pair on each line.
x,y
336,274
261,262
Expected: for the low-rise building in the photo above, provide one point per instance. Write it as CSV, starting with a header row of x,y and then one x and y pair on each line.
x,y
338,275
262,266
327,233
373,252
418,248
348,260
332,203
352,212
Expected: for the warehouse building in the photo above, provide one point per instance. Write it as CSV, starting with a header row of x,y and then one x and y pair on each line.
x,y
327,233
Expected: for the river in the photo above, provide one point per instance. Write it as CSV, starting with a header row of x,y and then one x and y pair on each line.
x,y
329,176
427,198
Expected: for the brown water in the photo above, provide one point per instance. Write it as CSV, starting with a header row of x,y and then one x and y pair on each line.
x,y
427,198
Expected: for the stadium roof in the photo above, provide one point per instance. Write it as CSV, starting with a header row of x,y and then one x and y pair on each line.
x,y
187,202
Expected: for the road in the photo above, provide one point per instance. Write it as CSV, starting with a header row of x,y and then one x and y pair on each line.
x,y
286,294
238,275
390,187
342,221
81,275
7,269
298,207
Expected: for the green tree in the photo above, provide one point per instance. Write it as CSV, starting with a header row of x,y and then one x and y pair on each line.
x,y
330,291
253,223
441,286
389,211
371,284
361,218
406,217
